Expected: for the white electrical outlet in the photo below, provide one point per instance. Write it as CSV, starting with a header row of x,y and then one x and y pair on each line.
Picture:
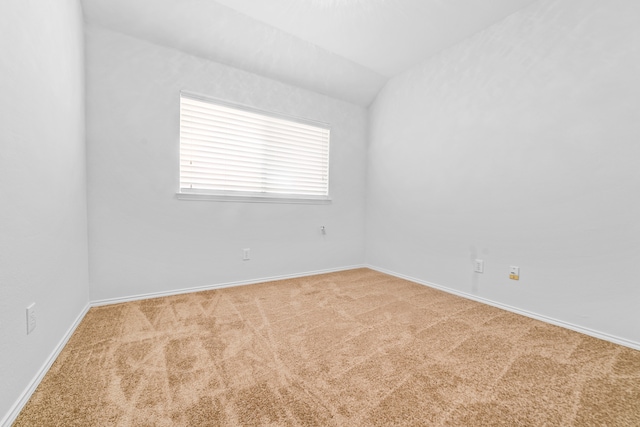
x,y
514,273
479,266
31,318
246,254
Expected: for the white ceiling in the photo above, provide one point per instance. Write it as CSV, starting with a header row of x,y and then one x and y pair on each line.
x,y
346,49
386,36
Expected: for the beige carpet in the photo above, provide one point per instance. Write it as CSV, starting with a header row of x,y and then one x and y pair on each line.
x,y
356,348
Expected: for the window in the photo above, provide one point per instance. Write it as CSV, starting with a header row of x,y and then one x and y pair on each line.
x,y
235,152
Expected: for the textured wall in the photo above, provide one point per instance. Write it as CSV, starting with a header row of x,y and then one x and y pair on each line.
x,y
519,146
43,228
142,239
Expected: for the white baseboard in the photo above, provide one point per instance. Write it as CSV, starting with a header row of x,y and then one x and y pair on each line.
x,y
118,300
596,334
24,398
13,413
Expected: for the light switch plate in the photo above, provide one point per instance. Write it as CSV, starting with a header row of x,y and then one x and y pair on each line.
x,y
31,318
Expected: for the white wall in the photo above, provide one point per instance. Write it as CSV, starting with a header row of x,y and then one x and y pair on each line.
x,y
43,229
519,146
144,240
209,29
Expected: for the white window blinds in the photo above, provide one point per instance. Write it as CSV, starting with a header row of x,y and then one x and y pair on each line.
x,y
232,150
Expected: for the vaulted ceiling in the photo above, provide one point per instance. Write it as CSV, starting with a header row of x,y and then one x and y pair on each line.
x,y
346,49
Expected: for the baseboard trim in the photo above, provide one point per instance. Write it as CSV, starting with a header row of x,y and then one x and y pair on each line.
x,y
596,334
118,300
13,413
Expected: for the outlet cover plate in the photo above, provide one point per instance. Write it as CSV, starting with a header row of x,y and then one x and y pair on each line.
x,y
479,266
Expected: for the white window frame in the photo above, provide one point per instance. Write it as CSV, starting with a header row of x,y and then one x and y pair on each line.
x,y
247,196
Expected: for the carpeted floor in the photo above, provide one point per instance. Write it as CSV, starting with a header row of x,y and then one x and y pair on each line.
x,y
355,348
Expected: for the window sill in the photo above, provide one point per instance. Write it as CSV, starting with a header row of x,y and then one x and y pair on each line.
x,y
251,199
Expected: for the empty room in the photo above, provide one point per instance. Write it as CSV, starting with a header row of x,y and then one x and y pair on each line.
x,y
319,213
